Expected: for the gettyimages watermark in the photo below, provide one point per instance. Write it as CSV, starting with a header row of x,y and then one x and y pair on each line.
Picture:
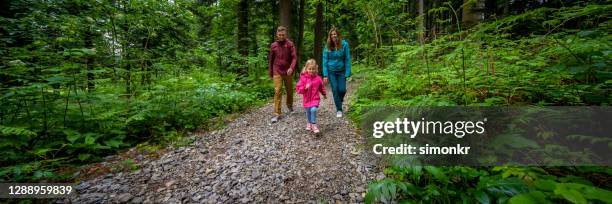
x,y
413,128
406,126
485,136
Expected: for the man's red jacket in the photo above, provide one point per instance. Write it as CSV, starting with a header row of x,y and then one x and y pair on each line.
x,y
282,57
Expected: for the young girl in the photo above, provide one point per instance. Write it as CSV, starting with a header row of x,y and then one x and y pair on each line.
x,y
309,86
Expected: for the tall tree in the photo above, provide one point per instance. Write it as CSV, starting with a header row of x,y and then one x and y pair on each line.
x,y
318,33
125,54
253,46
300,40
89,60
472,12
284,13
422,18
205,15
421,21
243,32
506,8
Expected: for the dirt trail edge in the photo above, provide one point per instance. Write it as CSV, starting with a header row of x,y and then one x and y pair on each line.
x,y
249,161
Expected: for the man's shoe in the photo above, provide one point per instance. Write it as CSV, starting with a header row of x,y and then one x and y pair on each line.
x,y
339,114
290,110
274,119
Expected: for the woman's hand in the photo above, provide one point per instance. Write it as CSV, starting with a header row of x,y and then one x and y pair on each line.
x,y
325,81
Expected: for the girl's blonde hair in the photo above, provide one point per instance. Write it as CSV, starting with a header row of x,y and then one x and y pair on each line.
x,y
311,62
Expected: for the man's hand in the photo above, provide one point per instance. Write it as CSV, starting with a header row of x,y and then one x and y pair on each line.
x,y
290,71
325,81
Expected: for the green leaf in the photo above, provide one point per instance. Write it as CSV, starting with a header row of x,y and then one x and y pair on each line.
x,y
603,75
588,33
89,139
482,197
42,151
437,173
373,193
576,192
84,157
47,174
56,79
570,194
514,140
114,143
535,197
99,146
16,131
38,174
497,187
409,188
17,170
72,135
546,185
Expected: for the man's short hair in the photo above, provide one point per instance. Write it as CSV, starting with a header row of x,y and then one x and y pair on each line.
x,y
281,28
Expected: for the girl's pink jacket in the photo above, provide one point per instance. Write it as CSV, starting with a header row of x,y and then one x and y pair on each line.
x,y
311,94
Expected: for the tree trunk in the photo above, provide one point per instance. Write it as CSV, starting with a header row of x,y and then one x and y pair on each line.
x,y
369,11
253,25
506,11
90,60
472,13
144,62
284,13
125,54
490,9
428,25
243,34
300,41
254,47
421,22
318,32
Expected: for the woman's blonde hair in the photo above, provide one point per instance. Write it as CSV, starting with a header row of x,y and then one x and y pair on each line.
x,y
310,62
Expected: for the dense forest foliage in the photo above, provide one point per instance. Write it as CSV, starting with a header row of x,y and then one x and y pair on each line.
x,y
546,56
82,79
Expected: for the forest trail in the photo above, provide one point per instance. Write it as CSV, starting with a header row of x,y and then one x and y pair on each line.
x,y
251,160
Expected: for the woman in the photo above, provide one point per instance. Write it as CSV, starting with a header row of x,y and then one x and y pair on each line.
x,y
336,66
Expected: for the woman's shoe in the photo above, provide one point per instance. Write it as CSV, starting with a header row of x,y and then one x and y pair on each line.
x,y
339,114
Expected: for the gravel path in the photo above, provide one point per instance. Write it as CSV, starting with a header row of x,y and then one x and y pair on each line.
x,y
249,161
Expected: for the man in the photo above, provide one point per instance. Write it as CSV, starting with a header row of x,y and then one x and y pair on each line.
x,y
282,61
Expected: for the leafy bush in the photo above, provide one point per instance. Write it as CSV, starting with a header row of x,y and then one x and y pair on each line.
x,y
556,62
494,66
83,79
481,185
72,128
